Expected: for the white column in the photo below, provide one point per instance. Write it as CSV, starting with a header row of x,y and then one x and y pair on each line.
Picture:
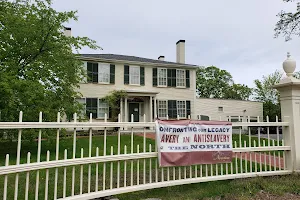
x,y
150,109
121,109
289,89
126,110
155,109
290,112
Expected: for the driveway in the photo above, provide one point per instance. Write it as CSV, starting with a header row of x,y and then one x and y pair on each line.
x,y
272,136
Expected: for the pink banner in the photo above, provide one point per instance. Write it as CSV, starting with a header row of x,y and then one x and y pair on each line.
x,y
189,142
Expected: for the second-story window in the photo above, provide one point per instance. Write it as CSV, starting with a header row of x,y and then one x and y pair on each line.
x,y
134,75
180,78
92,72
104,73
100,73
162,77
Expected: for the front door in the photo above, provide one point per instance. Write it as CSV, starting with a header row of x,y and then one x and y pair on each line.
x,y
134,109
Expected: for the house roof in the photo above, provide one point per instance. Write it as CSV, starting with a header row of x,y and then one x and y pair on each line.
x,y
131,59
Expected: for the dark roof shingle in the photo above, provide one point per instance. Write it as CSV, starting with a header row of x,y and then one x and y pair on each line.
x,y
131,58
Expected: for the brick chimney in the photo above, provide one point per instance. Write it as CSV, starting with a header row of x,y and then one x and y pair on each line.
x,y
68,32
161,58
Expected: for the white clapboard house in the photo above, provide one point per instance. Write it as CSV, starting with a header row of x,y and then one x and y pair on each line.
x,y
154,87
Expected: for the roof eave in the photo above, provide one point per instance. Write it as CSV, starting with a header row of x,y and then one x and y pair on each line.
x,y
138,63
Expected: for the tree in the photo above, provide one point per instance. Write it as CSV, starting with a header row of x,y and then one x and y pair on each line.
x,y
213,82
238,92
264,92
114,101
39,71
288,23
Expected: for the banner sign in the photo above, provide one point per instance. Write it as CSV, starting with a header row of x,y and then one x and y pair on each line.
x,y
188,142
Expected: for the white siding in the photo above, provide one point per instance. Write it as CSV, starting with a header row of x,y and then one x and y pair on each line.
x,y
165,93
209,107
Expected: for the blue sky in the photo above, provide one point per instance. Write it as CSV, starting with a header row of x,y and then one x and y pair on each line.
x,y
236,35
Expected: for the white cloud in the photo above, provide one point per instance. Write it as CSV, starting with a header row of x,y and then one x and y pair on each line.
x,y
234,35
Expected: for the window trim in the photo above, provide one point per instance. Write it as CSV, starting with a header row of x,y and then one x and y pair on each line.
x,y
106,65
130,76
184,79
166,77
167,116
184,109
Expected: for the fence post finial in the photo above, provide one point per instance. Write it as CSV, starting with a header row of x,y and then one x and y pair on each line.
x,y
289,65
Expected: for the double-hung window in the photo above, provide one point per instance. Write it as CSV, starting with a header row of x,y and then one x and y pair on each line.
x,y
103,109
97,107
134,75
162,109
180,78
104,73
181,109
162,76
92,72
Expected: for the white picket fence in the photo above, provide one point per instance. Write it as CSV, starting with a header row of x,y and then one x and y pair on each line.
x,y
123,163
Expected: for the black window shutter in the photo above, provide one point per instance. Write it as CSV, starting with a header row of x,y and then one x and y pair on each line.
x,y
95,73
142,75
89,72
91,107
169,77
172,109
188,108
112,74
187,76
154,76
173,77
126,74
109,112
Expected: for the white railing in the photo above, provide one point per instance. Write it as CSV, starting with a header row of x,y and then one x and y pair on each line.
x,y
122,163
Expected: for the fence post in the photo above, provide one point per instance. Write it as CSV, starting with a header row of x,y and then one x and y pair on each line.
x,y
289,89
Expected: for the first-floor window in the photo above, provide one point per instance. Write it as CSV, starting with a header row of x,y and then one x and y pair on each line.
x,y
103,109
203,117
97,107
91,107
162,109
181,109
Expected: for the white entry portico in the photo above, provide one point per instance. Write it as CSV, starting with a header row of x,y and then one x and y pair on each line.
x,y
138,106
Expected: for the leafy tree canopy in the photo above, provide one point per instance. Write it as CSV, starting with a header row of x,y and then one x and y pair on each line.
x,y
213,82
264,92
39,71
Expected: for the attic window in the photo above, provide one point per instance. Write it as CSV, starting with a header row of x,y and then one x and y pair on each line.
x,y
220,109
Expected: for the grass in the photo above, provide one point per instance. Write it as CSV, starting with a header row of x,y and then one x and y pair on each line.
x,y
229,189
97,141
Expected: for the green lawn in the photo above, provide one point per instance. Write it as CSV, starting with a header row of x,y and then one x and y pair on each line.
x,y
67,143
272,187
